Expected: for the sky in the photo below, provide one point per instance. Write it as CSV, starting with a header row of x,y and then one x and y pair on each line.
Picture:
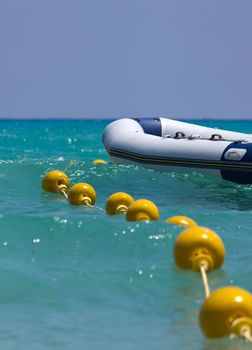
x,y
125,58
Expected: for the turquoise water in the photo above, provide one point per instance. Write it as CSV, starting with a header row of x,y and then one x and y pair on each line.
x,y
73,278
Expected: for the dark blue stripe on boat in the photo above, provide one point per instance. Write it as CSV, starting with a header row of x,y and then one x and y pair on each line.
x,y
234,175
151,126
247,146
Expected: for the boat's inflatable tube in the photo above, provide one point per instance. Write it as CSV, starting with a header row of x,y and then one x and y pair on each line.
x,y
165,143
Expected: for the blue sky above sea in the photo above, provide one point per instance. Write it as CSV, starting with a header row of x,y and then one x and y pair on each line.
x,y
110,59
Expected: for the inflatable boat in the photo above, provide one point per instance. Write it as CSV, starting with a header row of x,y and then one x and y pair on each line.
x,y
166,144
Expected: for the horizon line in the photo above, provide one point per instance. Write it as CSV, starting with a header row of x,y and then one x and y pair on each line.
x,y
115,118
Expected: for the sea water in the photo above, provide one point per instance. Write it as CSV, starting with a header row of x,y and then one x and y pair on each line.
x,y
74,278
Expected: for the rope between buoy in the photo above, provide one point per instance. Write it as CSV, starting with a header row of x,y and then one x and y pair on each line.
x,y
63,190
245,333
86,202
121,209
65,194
203,270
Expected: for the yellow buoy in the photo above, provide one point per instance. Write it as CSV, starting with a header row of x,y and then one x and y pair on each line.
x,y
118,203
227,310
181,221
142,210
56,182
99,161
82,193
196,246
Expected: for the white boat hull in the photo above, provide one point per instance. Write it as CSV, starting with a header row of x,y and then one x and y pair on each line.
x,y
165,144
